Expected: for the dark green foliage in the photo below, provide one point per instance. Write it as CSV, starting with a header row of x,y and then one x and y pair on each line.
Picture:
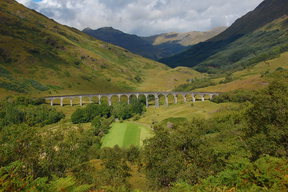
x,y
138,79
22,87
46,155
195,84
13,178
124,111
101,125
228,78
21,110
42,115
238,96
116,169
266,174
19,88
4,72
79,116
133,154
180,154
267,120
36,85
121,111
21,100
228,151
9,114
87,114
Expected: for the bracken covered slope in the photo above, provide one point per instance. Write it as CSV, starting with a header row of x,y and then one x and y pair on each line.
x,y
259,35
41,57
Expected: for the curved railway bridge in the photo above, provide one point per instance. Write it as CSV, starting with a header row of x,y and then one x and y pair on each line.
x,y
156,96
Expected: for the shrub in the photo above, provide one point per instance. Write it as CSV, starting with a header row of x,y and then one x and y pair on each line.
x,y
36,85
121,111
42,115
88,113
101,125
124,111
267,122
31,115
21,100
266,174
79,116
19,88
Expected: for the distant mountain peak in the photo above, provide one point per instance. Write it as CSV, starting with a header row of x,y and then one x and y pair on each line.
x,y
242,44
153,47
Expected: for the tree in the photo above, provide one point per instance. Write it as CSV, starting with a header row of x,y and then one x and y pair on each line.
x,y
87,114
267,122
121,111
101,125
179,154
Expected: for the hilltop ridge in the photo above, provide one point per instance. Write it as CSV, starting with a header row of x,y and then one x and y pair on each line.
x,y
41,57
153,47
259,35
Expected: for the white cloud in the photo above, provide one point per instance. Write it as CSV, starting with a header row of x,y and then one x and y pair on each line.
x,y
144,17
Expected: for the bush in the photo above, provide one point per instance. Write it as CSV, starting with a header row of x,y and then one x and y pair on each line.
x,y
11,115
21,100
267,122
19,88
87,114
42,115
124,111
121,111
266,174
31,115
101,125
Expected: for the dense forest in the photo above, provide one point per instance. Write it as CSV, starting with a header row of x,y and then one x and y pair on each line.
x,y
243,149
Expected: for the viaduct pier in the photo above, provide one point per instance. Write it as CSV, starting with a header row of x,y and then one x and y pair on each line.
x,y
156,96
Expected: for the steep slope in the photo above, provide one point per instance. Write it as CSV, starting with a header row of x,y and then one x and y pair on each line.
x,y
184,39
255,77
153,47
39,56
130,42
252,36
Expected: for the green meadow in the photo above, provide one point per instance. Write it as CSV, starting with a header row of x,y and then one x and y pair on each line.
x,y
126,134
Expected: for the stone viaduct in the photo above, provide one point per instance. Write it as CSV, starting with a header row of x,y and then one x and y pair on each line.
x,y
156,96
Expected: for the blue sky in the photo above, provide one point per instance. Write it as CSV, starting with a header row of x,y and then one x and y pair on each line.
x,y
144,17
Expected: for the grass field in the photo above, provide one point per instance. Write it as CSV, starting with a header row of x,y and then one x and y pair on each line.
x,y
126,134
189,110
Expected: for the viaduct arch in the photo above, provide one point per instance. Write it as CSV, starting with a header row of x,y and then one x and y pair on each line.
x,y
137,95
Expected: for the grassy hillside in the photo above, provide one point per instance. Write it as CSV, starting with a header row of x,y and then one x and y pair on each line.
x,y
184,39
257,36
254,77
41,57
198,110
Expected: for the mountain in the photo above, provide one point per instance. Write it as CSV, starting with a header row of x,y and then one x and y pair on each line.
x,y
185,39
132,43
259,35
153,47
40,57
